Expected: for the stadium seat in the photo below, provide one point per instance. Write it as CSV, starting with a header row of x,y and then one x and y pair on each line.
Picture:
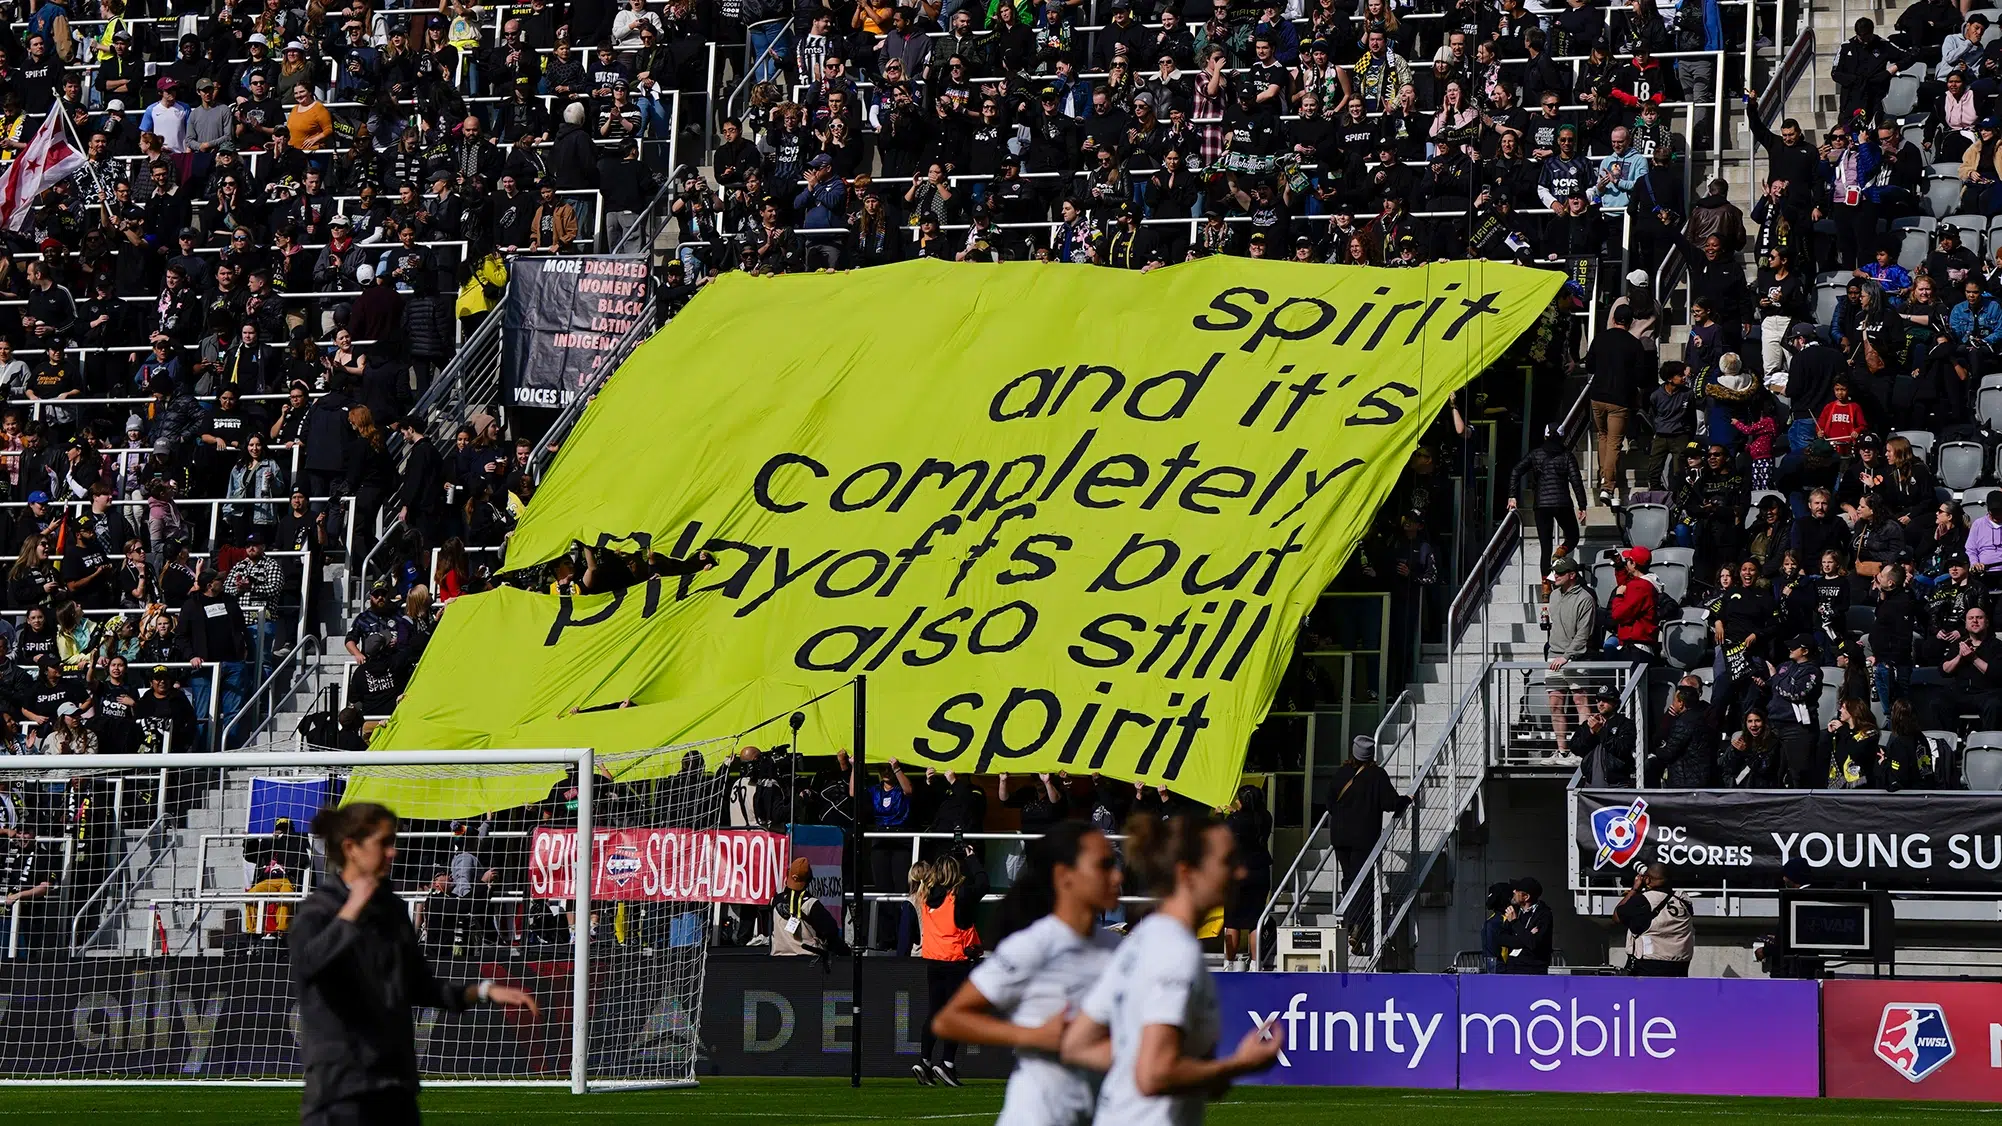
x,y
1988,407
1943,192
1975,501
1603,574
1921,440
1683,555
1647,525
1683,643
1859,618
1826,298
1831,694
1913,246
1960,464
1902,97
1983,768
1672,577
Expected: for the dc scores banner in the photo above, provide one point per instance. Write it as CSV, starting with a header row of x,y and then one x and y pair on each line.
x,y
1908,1039
1710,838
662,865
1062,518
560,320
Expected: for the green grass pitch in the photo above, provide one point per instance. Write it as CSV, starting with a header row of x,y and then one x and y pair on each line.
x,y
827,1102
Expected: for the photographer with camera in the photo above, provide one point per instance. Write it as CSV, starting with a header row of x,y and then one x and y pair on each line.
x,y
1661,925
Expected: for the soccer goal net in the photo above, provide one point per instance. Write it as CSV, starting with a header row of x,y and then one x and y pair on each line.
x,y
148,898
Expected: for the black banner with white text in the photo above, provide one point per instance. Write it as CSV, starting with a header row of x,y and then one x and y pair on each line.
x,y
561,319
1939,841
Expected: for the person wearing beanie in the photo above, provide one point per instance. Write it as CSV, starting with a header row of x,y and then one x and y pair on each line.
x,y
801,923
1359,794
1526,930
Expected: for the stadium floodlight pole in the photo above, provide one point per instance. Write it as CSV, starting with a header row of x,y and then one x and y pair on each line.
x,y
580,939
859,909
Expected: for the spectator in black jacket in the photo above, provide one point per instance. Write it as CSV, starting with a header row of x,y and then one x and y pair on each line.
x,y
1527,930
1619,366
358,971
1359,794
1607,745
420,496
1549,477
1685,757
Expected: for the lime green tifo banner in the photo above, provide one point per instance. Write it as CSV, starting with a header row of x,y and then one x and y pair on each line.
x,y
1062,518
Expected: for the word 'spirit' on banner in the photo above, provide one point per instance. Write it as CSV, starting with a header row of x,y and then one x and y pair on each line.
x,y
1064,519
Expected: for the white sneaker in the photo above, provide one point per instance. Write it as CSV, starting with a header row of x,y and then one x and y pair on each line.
x,y
1606,498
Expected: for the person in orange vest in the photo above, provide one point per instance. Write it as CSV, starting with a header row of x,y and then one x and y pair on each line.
x,y
950,946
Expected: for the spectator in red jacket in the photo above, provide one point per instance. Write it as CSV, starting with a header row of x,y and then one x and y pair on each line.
x,y
1842,420
1633,606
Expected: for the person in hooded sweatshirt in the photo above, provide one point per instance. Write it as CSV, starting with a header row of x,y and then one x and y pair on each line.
x,y
1549,477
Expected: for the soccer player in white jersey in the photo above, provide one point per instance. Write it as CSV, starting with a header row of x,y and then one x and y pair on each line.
x,y
1052,951
1151,1021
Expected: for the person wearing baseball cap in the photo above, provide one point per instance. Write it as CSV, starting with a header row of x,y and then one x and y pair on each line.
x,y
1527,929
1796,698
1572,617
1633,607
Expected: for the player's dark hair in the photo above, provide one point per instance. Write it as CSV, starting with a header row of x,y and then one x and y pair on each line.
x,y
337,825
1034,892
1155,846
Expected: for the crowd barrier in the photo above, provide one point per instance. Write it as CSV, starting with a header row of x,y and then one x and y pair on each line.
x,y
762,1015
1937,841
1843,1038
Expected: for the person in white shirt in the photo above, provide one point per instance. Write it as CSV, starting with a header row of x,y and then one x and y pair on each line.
x,y
1151,1021
1052,950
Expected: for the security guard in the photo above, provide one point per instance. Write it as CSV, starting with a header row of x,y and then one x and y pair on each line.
x,y
1526,930
1661,926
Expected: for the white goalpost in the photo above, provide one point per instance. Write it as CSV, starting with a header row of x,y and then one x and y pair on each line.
x,y
142,937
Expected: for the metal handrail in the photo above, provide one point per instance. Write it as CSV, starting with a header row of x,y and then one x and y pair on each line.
x,y
448,380
643,328
1285,884
382,541
104,887
1406,823
653,211
1299,887
751,71
313,641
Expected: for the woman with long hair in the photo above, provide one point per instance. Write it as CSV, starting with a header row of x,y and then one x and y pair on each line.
x,y
1851,745
453,576
1050,953
950,946
371,477
358,970
1150,1022
32,578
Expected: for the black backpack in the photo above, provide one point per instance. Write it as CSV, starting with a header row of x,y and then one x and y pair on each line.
x,y
1689,33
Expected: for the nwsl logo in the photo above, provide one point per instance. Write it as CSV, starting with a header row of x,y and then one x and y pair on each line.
x,y
1620,833
1914,1039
